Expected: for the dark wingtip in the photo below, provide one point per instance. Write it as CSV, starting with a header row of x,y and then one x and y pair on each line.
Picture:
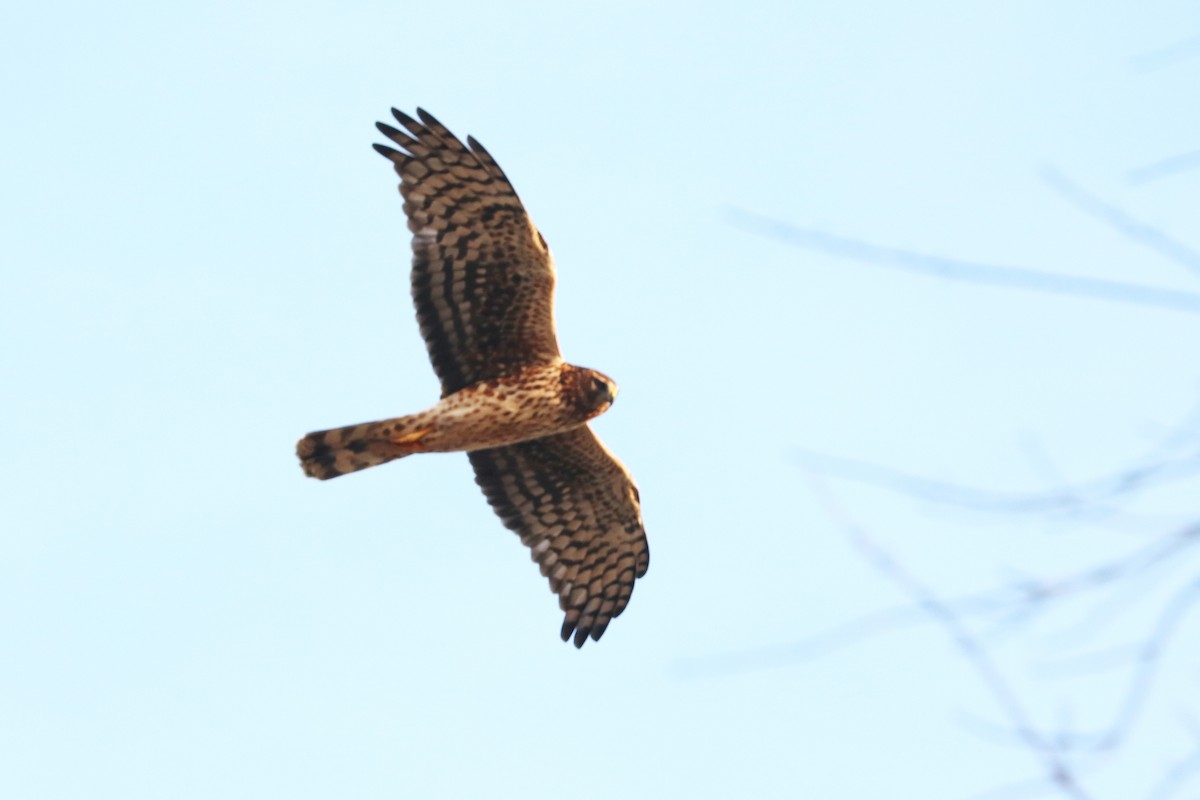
x,y
385,151
402,118
477,146
568,628
429,119
581,636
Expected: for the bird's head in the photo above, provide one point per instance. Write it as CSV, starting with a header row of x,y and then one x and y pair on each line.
x,y
594,391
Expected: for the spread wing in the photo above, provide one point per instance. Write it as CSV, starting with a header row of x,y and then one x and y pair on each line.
x,y
576,507
482,276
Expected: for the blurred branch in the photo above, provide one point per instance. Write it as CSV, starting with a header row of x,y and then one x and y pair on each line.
x,y
1177,777
1148,657
1164,552
1058,771
1140,232
1029,787
1017,601
1011,602
1169,55
822,644
1066,498
1158,552
1163,168
967,271
971,621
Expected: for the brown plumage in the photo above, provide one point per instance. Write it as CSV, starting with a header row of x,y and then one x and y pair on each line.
x,y
483,287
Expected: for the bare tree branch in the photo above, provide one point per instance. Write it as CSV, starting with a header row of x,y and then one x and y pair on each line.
x,y
1148,657
1029,787
1086,494
1168,56
1137,231
1163,168
1177,777
1124,576
972,620
843,635
1016,601
968,271
1058,771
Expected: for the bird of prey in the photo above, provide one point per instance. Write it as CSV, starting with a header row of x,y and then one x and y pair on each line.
x,y
483,286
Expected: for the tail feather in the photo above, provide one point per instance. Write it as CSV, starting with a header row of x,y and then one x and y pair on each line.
x,y
328,454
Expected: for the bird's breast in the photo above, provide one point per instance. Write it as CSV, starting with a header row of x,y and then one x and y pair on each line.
x,y
504,411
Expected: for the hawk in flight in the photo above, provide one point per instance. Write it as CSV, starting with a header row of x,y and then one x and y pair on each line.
x,y
483,287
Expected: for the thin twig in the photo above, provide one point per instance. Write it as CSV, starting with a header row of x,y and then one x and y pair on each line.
x,y
1118,219
839,636
1166,56
1177,777
1058,771
1163,635
1148,657
1013,601
1139,567
1163,168
968,271
1086,494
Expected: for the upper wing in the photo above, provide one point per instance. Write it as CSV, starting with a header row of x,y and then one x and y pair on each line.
x,y
482,277
576,507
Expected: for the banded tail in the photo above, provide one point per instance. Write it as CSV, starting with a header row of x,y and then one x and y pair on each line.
x,y
328,454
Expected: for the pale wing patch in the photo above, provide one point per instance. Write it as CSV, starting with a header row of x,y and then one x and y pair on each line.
x,y
425,237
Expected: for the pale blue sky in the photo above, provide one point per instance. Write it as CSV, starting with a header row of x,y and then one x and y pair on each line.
x,y
204,259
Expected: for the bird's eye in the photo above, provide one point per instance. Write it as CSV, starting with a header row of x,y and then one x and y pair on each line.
x,y
599,386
